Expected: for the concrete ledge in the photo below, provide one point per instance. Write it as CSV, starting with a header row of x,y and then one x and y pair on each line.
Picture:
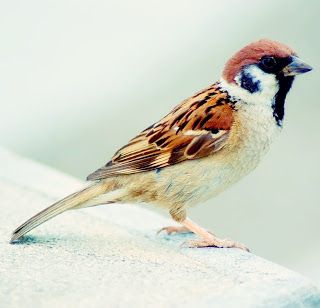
x,y
111,256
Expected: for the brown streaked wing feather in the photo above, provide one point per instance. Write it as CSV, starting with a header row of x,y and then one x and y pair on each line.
x,y
196,128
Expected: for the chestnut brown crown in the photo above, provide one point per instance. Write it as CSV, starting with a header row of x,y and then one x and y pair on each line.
x,y
252,53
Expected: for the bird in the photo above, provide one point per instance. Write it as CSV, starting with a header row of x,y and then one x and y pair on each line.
x,y
204,145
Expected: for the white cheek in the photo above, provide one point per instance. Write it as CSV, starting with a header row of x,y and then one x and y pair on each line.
x,y
268,88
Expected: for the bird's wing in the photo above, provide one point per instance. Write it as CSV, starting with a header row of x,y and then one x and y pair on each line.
x,y
196,128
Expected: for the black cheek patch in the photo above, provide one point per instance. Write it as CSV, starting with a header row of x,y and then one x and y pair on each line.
x,y
248,83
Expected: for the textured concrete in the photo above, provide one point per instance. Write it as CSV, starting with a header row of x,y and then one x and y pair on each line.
x,y
111,256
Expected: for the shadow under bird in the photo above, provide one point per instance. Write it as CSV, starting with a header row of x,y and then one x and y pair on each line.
x,y
204,145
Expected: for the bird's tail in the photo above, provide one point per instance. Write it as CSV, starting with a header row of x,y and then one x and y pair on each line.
x,y
76,200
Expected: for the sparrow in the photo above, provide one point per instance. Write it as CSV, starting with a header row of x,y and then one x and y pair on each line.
x,y
204,145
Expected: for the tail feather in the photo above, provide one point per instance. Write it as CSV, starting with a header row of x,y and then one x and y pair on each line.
x,y
72,201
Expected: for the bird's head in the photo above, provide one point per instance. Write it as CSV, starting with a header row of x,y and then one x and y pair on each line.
x,y
262,73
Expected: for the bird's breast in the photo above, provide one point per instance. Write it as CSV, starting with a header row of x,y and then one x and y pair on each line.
x,y
253,131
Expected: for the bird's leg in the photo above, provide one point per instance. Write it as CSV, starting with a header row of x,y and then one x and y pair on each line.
x,y
208,239
178,214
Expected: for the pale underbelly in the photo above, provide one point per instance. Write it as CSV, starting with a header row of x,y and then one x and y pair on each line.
x,y
190,182
196,181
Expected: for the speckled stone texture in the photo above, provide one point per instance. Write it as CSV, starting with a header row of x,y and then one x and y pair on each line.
x,y
110,256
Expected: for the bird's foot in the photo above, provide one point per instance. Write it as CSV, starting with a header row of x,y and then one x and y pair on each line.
x,y
174,229
216,242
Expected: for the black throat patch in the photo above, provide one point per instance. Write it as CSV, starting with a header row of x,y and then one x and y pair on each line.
x,y
285,84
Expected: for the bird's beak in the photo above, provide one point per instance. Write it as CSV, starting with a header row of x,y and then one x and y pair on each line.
x,y
296,67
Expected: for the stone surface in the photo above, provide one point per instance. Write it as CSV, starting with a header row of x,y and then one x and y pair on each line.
x,y
110,256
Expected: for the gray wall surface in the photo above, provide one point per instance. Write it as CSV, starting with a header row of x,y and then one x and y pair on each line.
x,y
80,78
97,258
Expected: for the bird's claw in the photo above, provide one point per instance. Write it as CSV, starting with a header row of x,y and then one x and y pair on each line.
x,y
174,229
215,242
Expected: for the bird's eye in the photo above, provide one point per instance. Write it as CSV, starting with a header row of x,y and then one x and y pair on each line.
x,y
268,62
